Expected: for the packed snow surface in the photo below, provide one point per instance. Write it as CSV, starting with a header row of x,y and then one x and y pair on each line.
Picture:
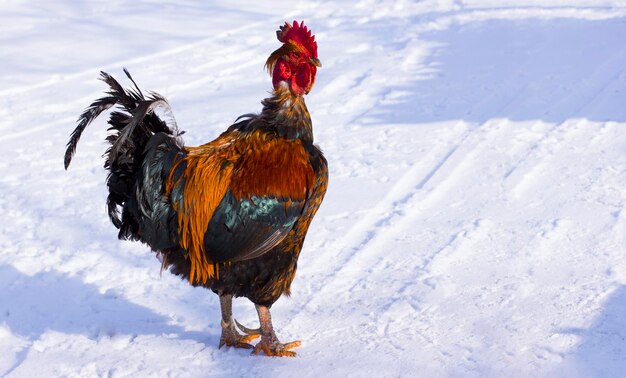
x,y
474,225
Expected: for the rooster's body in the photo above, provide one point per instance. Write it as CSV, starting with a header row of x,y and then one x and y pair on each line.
x,y
230,215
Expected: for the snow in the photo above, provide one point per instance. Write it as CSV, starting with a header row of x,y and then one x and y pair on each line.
x,y
474,225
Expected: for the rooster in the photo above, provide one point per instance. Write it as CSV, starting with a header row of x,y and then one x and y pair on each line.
x,y
230,215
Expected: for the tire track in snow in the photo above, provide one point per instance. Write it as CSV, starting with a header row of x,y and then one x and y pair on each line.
x,y
518,179
392,204
429,192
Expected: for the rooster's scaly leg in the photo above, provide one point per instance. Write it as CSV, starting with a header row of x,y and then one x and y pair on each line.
x,y
269,343
230,336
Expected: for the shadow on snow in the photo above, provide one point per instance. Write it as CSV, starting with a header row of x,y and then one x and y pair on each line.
x,y
602,349
31,305
550,70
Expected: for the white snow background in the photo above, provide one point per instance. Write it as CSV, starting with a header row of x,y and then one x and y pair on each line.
x,y
474,224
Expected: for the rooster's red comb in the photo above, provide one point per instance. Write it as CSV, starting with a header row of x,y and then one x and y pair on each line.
x,y
299,34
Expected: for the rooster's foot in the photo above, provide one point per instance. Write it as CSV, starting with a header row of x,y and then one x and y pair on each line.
x,y
274,348
231,338
269,343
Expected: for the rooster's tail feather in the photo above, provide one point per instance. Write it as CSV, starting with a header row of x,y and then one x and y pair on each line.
x,y
131,126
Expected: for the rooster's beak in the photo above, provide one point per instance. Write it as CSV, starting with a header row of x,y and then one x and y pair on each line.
x,y
316,62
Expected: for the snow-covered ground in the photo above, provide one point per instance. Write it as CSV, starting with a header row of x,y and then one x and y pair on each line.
x,y
475,223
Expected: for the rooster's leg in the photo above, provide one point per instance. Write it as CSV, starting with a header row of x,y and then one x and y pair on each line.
x,y
230,336
269,343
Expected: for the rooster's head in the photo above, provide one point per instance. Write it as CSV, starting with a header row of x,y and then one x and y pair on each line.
x,y
295,62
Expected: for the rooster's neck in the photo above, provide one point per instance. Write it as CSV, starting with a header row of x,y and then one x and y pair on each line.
x,y
287,115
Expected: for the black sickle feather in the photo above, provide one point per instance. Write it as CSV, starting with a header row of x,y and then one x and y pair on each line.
x,y
127,99
91,113
133,80
116,95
